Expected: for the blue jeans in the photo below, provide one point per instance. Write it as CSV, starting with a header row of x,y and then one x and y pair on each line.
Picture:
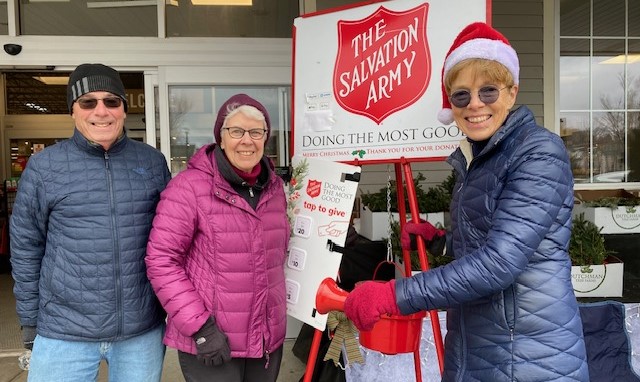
x,y
136,359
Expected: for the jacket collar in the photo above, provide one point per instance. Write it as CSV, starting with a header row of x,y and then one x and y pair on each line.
x,y
93,148
205,160
230,175
515,120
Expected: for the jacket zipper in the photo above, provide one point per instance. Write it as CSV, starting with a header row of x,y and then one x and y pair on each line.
x,y
463,353
115,245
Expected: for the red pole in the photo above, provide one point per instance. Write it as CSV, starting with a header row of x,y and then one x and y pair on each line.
x,y
406,255
313,354
424,264
402,212
416,364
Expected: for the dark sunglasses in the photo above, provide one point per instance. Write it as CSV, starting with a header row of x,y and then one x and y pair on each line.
x,y
487,94
91,103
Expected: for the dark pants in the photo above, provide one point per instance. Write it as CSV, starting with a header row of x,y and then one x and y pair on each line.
x,y
236,370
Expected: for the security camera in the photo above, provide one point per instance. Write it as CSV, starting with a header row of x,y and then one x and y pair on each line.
x,y
13,49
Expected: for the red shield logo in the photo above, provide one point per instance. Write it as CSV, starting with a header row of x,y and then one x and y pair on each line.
x,y
383,63
313,188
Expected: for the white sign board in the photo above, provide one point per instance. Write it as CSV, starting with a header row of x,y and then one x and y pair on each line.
x,y
320,202
367,80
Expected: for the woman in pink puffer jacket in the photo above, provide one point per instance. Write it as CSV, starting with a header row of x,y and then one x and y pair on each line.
x,y
217,250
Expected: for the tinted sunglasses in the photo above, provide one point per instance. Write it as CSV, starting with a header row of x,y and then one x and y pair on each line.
x,y
487,94
91,103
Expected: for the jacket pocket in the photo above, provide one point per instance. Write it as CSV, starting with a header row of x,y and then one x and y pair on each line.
x,y
509,300
49,290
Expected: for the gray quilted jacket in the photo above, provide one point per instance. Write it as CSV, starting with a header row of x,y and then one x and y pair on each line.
x,y
512,314
79,232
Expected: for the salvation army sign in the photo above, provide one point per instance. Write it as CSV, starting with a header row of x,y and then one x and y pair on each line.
x,y
383,62
366,81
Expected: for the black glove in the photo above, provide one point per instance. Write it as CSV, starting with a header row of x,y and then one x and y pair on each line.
x,y
28,335
212,344
436,246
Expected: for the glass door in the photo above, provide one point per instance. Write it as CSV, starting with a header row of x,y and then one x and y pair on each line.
x,y
189,105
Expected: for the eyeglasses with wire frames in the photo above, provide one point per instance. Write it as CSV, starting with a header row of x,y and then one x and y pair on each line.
x,y
88,103
487,94
238,132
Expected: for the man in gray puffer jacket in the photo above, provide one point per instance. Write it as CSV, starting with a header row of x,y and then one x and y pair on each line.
x,y
79,232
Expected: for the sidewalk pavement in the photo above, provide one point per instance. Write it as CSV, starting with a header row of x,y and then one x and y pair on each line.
x,y
291,370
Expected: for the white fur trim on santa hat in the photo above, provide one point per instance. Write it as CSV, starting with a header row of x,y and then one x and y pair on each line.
x,y
488,49
445,116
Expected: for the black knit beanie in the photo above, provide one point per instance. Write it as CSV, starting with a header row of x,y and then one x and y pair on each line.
x,y
88,78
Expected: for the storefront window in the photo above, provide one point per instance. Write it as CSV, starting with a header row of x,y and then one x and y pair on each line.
x,y
184,18
4,20
193,110
272,18
322,5
89,18
599,87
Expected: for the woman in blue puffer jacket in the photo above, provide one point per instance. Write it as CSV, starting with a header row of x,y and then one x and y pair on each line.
x,y
511,311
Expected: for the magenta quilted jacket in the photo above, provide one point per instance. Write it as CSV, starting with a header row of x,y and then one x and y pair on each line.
x,y
210,253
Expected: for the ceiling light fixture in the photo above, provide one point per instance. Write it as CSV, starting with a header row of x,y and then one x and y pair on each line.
x,y
50,80
223,2
128,3
36,107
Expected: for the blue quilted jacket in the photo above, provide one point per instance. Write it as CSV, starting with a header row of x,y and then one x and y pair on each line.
x,y
79,233
512,314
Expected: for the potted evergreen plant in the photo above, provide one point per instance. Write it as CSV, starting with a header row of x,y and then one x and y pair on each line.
x,y
616,211
595,272
432,204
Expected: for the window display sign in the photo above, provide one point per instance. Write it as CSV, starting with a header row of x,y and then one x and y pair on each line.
x,y
319,205
22,149
367,80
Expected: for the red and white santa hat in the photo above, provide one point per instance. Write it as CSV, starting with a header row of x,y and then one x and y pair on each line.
x,y
477,40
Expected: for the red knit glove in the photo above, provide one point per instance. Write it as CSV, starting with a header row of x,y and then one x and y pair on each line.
x,y
368,301
425,229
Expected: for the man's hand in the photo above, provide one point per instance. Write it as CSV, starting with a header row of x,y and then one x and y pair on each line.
x,y
368,301
212,344
28,336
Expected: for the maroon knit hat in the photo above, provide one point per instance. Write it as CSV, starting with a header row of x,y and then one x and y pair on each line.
x,y
239,100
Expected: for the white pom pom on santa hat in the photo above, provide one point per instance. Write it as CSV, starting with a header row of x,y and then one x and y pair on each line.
x,y
477,40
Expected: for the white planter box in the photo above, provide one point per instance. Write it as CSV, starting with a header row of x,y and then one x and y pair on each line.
x,y
598,280
375,225
612,220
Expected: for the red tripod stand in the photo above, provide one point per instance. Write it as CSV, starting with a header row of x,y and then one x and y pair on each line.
x,y
400,168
